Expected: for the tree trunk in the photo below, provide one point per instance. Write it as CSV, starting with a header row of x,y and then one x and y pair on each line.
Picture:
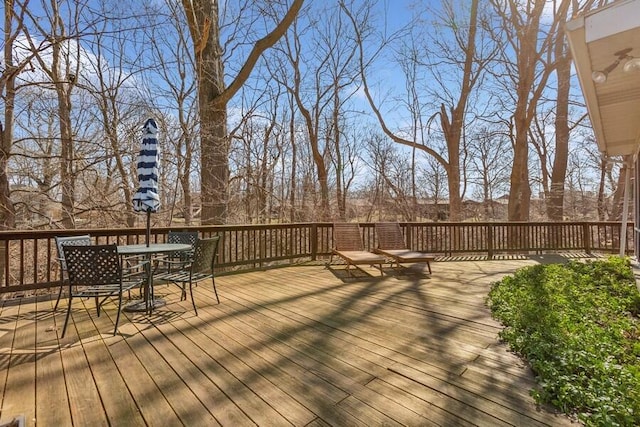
x,y
618,195
185,183
601,190
63,87
335,126
294,160
323,180
214,142
555,201
520,193
67,179
7,210
213,96
214,157
528,93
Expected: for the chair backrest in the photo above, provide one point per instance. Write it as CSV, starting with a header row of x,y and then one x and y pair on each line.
x,y
84,240
92,265
204,255
188,237
390,236
185,237
347,237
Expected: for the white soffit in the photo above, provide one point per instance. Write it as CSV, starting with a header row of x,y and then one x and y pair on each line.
x,y
614,106
616,18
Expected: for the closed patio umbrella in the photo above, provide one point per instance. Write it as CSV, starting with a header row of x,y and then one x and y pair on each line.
x,y
146,198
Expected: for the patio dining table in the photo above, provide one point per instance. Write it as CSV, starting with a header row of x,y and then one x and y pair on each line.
x,y
149,302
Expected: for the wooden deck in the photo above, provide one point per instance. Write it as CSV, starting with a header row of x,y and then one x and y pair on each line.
x,y
300,346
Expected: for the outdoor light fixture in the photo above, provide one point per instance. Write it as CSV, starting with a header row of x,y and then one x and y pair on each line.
x,y
632,64
599,76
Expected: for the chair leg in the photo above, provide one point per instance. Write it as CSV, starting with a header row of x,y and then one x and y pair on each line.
x,y
429,266
66,319
55,307
329,263
193,301
97,306
115,328
213,280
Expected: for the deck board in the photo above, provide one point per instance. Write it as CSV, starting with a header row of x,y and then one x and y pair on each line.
x,y
154,408
214,382
8,319
160,363
51,387
279,381
226,360
21,379
301,345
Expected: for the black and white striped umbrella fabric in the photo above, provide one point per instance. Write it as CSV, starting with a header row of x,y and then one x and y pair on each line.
x,y
146,198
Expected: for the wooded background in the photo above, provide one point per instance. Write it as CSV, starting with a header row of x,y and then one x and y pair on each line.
x,y
289,111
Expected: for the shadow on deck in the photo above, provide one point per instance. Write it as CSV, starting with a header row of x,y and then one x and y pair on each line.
x,y
297,345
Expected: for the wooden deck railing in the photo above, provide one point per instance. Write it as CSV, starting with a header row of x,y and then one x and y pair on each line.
x,y
28,258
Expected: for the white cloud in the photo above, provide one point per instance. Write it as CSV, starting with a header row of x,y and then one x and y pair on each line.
x,y
75,63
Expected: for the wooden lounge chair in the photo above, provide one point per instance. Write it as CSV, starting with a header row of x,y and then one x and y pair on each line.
x,y
391,244
348,245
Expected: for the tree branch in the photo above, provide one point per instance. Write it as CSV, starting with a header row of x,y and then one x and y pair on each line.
x,y
258,48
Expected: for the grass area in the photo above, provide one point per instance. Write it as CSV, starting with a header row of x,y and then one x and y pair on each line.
x,y
577,325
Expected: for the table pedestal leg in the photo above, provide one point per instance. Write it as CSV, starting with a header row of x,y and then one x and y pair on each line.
x,y
148,301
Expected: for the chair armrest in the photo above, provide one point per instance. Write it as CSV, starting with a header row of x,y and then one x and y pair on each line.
x,y
168,265
134,271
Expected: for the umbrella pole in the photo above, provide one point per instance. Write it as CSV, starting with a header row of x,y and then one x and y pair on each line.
x,y
148,226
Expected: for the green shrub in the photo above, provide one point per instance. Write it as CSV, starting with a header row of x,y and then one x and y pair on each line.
x,y
577,325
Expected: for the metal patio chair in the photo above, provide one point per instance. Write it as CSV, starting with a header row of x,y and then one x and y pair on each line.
x,y
84,240
200,267
176,260
96,272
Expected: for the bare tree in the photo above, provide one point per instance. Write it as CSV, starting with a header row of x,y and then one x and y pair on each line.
x,y
117,109
315,65
527,54
257,145
411,67
489,166
13,26
433,178
214,95
393,172
555,198
62,71
453,108
294,159
173,81
347,148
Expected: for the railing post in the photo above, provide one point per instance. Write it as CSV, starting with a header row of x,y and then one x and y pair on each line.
x,y
586,238
4,263
408,236
490,241
314,241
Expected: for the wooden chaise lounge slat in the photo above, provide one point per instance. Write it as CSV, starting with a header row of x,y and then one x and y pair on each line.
x,y
391,243
348,245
